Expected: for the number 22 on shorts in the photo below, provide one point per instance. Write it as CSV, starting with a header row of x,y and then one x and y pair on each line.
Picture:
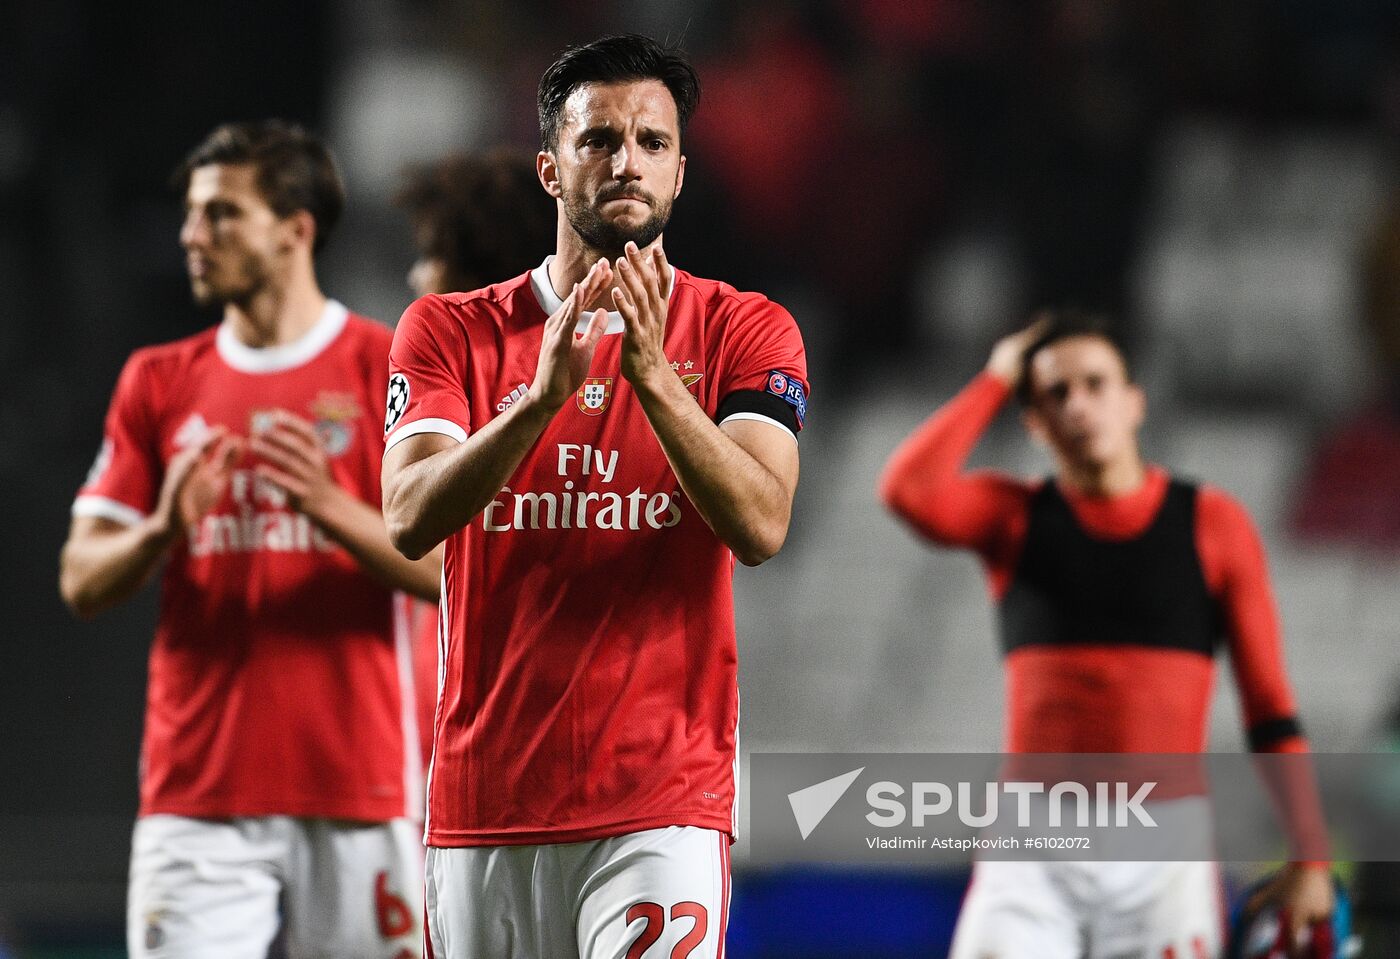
x,y
654,917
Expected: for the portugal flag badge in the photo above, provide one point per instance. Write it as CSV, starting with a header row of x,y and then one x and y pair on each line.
x,y
593,396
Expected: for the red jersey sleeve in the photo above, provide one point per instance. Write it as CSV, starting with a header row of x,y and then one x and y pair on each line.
x,y
924,483
1236,571
125,479
427,374
1233,560
763,367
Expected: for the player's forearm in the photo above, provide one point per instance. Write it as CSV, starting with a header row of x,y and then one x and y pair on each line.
x,y
746,505
1256,653
99,570
934,455
359,527
924,482
430,499
1291,780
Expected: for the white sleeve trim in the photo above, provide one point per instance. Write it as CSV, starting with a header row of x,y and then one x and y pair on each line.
x,y
760,418
429,425
104,508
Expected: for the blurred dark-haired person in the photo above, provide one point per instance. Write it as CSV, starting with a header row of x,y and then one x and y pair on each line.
x,y
279,768
477,219
597,440
1113,580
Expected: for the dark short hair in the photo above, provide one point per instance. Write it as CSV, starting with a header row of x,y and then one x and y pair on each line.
x,y
295,171
615,59
1064,324
484,215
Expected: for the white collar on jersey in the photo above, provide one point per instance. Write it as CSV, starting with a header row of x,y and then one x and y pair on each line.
x,y
286,356
550,301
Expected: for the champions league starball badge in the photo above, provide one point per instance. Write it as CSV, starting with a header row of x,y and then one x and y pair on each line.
x,y
397,401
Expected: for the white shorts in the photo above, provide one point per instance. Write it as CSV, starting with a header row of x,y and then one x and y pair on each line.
x,y
646,895
221,888
1091,910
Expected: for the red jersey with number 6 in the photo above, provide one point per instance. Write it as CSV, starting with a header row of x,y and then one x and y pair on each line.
x,y
590,672
279,678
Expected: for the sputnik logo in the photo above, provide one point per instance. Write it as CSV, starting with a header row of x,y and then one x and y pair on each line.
x,y
810,805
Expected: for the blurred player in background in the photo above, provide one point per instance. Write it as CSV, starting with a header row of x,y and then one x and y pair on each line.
x,y
278,765
597,440
1112,580
477,219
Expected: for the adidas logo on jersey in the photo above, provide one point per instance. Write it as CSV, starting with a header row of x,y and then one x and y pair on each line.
x,y
514,396
191,432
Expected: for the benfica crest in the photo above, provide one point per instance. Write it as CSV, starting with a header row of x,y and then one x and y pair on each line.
x,y
593,396
335,415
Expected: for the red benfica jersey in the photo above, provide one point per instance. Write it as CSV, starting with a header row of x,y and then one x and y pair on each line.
x,y
276,678
589,681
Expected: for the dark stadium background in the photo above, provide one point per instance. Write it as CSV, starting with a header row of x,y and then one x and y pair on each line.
x,y
908,178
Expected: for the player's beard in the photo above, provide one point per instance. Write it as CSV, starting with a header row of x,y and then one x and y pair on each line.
x,y
608,237
237,280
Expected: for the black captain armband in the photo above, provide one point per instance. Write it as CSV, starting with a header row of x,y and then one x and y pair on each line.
x,y
748,404
1271,731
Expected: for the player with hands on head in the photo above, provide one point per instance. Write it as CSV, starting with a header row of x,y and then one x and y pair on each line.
x,y
280,772
596,441
1114,581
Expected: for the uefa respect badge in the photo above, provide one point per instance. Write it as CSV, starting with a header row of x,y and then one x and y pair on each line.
x,y
789,390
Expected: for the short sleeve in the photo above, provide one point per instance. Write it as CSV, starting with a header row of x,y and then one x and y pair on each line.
x,y
763,373
427,375
125,478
